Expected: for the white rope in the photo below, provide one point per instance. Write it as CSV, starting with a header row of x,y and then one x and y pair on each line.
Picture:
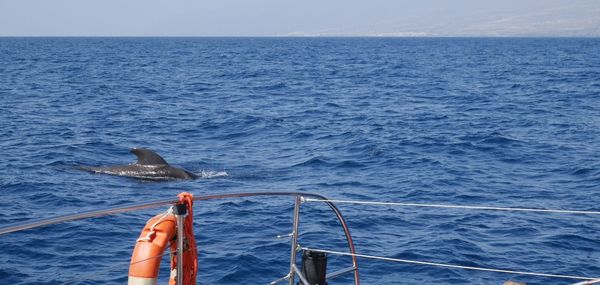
x,y
455,206
148,237
451,265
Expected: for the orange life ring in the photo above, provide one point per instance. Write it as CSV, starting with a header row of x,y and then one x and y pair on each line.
x,y
153,241
149,249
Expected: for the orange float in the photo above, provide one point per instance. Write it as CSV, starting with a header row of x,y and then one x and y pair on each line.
x,y
159,232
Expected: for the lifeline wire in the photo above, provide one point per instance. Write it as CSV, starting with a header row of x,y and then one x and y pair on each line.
x,y
588,282
455,206
451,265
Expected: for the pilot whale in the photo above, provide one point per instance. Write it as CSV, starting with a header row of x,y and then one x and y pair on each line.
x,y
149,165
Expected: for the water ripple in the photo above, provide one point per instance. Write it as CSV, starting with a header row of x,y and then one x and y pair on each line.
x,y
506,122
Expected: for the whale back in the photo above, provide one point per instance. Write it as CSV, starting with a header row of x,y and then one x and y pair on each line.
x,y
148,157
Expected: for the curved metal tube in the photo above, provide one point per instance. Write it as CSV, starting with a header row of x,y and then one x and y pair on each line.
x,y
21,226
140,206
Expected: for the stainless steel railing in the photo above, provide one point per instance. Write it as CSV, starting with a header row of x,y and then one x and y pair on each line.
x,y
299,198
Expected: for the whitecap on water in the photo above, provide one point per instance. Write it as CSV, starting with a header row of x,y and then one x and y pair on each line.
x,y
212,174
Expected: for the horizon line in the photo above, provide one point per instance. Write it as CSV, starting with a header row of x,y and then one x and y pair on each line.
x,y
300,36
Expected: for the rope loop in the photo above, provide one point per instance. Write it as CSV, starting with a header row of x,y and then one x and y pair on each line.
x,y
152,232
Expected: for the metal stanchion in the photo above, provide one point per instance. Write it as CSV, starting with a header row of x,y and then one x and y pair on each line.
x,y
180,211
294,239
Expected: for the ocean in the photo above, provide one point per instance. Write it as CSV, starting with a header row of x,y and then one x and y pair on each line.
x,y
506,122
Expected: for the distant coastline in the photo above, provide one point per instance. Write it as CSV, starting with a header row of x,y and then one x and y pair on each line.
x,y
320,36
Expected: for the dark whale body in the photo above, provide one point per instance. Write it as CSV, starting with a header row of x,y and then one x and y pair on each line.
x,y
148,166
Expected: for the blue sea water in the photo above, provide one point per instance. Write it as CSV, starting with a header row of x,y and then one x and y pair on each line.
x,y
468,121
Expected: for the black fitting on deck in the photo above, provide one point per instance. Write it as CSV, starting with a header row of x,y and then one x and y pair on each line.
x,y
180,209
314,267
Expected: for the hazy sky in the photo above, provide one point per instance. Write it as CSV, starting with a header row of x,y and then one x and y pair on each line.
x,y
299,18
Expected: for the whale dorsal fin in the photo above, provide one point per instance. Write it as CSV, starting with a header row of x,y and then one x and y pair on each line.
x,y
148,157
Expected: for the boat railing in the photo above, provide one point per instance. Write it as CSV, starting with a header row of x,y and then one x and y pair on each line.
x,y
294,271
295,247
583,279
